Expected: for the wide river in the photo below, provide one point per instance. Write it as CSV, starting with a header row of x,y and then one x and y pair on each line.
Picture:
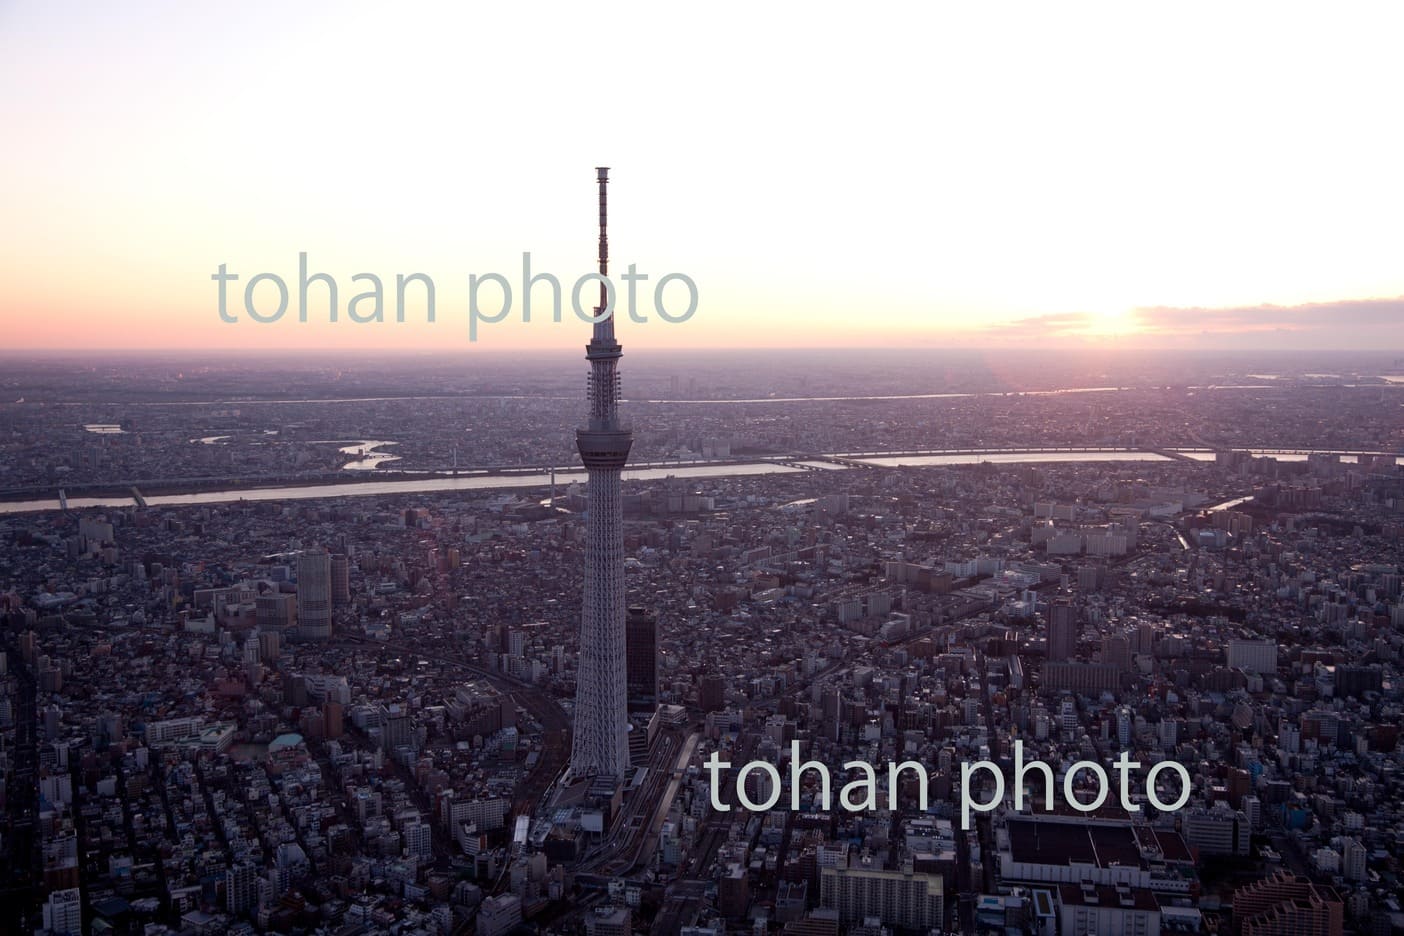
x,y
479,481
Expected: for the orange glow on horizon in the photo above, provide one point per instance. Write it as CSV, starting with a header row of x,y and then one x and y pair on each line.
x,y
956,177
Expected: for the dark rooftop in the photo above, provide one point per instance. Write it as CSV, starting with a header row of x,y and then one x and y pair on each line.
x,y
1036,841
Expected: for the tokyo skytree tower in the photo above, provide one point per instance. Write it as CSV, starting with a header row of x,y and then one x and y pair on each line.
x,y
601,744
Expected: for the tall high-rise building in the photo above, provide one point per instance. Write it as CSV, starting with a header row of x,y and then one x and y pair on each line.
x,y
711,693
314,593
1062,631
641,638
419,840
340,580
601,743
63,913
1353,860
333,720
270,644
1125,724
1116,650
241,888
396,731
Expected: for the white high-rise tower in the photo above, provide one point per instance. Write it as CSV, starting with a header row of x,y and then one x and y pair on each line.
x,y
601,744
314,595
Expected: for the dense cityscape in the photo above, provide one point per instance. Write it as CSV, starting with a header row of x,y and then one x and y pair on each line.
x,y
943,475
296,648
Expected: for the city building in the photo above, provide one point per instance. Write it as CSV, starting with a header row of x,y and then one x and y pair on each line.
x,y
499,915
277,613
902,898
1219,830
1253,656
712,692
1287,905
608,921
1108,910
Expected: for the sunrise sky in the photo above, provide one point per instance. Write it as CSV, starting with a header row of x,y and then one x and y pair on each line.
x,y
1192,175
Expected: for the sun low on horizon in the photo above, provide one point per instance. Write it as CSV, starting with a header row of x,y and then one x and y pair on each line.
x,y
920,175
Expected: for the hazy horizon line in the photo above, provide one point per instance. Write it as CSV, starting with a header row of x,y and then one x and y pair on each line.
x,y
479,350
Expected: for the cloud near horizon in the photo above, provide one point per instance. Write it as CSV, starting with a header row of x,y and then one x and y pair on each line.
x,y
1377,323
1236,320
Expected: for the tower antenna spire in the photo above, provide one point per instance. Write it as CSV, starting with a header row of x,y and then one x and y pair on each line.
x,y
602,174
604,329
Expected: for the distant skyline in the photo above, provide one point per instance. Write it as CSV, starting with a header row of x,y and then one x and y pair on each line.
x,y
1079,175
